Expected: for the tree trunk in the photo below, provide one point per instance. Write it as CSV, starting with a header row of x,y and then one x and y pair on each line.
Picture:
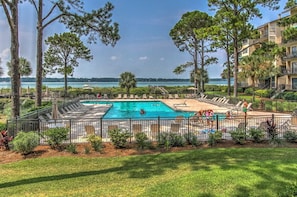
x,y
14,49
202,66
195,71
65,83
235,66
39,56
228,66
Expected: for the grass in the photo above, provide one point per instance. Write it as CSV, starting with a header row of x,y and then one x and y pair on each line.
x,y
201,172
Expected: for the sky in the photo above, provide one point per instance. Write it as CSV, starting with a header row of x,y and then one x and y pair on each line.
x,y
145,48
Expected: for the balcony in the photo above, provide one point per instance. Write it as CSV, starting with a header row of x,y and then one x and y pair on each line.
x,y
288,72
290,56
287,87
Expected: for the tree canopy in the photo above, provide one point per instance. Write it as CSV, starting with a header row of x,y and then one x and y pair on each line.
x,y
62,55
236,15
127,81
190,35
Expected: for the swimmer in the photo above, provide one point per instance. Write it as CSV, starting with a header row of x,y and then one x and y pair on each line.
x,y
142,111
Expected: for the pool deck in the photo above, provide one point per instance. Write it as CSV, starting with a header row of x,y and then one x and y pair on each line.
x,y
183,105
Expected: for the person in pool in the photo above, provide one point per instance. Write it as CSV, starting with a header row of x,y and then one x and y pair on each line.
x,y
142,111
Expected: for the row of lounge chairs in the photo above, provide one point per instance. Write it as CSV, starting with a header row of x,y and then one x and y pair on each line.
x,y
132,96
65,111
136,128
224,102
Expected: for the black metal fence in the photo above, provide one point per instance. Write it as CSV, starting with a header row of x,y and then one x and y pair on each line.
x,y
153,126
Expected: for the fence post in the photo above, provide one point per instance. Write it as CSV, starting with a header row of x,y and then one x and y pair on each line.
x,y
100,127
217,122
245,124
159,128
70,130
130,129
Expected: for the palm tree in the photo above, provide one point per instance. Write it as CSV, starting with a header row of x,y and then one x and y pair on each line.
x,y
25,68
127,81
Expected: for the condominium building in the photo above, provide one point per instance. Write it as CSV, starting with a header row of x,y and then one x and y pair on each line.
x,y
272,31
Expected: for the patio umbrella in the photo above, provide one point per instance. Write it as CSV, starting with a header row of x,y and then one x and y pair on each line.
x,y
192,88
87,87
46,91
55,109
28,90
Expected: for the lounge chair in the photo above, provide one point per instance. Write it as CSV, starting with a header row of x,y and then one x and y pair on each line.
x,y
112,127
105,96
144,96
176,96
131,96
170,96
241,125
119,96
154,130
174,127
179,119
90,130
125,96
136,128
180,104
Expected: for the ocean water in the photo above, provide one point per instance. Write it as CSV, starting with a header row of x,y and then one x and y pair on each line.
x,y
113,84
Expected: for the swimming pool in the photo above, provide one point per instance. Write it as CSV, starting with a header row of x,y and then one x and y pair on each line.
x,y
131,109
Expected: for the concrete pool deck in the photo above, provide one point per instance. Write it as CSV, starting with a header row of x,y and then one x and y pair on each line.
x,y
182,105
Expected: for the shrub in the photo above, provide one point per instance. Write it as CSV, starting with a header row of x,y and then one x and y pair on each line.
x,y
25,142
256,134
3,126
238,136
142,140
56,136
290,136
96,142
192,139
272,132
214,138
72,148
168,140
119,137
249,91
87,150
5,140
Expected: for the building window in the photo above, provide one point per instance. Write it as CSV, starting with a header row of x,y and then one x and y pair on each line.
x,y
294,67
294,83
294,50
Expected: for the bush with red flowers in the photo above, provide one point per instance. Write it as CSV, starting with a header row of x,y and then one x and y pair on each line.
x,y
5,139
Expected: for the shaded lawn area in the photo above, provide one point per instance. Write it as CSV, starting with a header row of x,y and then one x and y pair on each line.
x,y
201,172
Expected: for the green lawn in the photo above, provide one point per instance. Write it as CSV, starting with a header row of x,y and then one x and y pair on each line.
x,y
202,172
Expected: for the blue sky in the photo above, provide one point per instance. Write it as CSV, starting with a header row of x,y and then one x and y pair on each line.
x,y
145,47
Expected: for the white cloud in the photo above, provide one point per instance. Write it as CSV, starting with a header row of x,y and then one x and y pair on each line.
x,y
4,55
113,58
162,58
143,58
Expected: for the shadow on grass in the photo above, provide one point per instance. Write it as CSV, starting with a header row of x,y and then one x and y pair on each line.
x,y
262,162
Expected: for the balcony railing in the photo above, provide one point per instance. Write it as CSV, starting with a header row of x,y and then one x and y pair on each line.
x,y
289,72
287,87
290,56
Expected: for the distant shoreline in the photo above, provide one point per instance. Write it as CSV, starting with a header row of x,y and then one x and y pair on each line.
x,y
103,79
110,84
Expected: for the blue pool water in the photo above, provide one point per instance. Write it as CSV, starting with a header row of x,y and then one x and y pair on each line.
x,y
131,109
